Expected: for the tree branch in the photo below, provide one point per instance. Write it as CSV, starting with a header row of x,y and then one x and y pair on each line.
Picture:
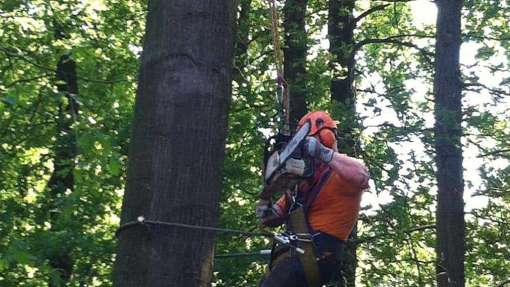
x,y
26,80
470,36
394,40
495,152
496,92
362,240
370,11
504,283
42,67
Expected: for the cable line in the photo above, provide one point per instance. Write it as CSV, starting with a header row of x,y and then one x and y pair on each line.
x,y
142,221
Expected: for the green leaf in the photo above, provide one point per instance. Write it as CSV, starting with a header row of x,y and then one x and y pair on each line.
x,y
9,100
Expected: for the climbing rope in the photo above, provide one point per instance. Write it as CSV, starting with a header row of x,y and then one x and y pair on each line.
x,y
141,221
283,95
283,238
261,253
276,39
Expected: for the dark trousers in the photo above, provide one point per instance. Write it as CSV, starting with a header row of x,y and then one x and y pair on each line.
x,y
289,272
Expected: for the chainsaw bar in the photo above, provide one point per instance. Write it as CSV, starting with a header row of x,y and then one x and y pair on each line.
x,y
277,161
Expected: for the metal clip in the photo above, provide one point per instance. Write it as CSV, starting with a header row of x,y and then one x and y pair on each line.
x,y
285,238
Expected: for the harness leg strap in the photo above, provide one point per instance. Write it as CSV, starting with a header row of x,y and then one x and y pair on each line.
x,y
309,258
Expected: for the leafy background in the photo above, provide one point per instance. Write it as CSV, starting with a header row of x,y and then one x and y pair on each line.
x,y
395,112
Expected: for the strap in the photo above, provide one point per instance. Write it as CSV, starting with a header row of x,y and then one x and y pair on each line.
x,y
312,194
309,258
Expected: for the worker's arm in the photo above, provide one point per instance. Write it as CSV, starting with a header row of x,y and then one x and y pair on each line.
x,y
351,169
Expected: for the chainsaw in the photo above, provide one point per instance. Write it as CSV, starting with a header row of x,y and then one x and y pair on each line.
x,y
286,165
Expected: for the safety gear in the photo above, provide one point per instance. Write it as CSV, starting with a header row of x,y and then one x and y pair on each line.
x,y
301,238
320,121
262,207
315,149
298,222
327,137
333,208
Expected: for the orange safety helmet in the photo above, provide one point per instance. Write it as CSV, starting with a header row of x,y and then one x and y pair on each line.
x,y
321,124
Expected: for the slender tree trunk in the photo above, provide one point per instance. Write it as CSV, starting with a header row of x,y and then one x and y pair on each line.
x,y
295,57
177,148
448,133
62,178
242,38
340,32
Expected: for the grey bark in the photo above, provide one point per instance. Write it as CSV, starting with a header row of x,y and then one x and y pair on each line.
x,y
448,133
177,148
294,53
341,26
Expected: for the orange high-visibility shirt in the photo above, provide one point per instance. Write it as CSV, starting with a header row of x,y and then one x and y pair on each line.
x,y
335,209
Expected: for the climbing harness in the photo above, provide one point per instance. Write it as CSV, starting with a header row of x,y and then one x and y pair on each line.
x,y
308,258
302,233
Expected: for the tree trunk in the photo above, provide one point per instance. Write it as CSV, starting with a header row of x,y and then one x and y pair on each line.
x,y
242,40
177,148
295,57
448,133
340,33
62,178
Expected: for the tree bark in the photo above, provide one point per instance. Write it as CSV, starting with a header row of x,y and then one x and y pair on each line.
x,y
341,26
295,57
177,148
448,133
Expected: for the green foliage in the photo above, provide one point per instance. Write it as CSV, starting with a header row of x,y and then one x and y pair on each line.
x,y
393,78
101,36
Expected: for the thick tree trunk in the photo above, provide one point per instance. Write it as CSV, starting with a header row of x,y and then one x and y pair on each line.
x,y
340,32
295,57
177,148
448,132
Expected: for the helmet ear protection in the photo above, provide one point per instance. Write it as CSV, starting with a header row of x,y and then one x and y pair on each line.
x,y
322,125
327,137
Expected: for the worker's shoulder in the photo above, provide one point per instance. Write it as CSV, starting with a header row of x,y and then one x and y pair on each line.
x,y
338,183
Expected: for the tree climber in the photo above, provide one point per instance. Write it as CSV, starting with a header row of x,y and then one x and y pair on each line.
x,y
319,213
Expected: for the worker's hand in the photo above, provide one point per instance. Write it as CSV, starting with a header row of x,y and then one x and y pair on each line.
x,y
262,207
268,214
315,149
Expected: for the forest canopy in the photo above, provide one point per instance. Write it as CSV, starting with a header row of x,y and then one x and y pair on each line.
x,y
68,82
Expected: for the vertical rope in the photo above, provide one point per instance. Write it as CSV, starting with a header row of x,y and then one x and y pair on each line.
x,y
276,39
283,97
